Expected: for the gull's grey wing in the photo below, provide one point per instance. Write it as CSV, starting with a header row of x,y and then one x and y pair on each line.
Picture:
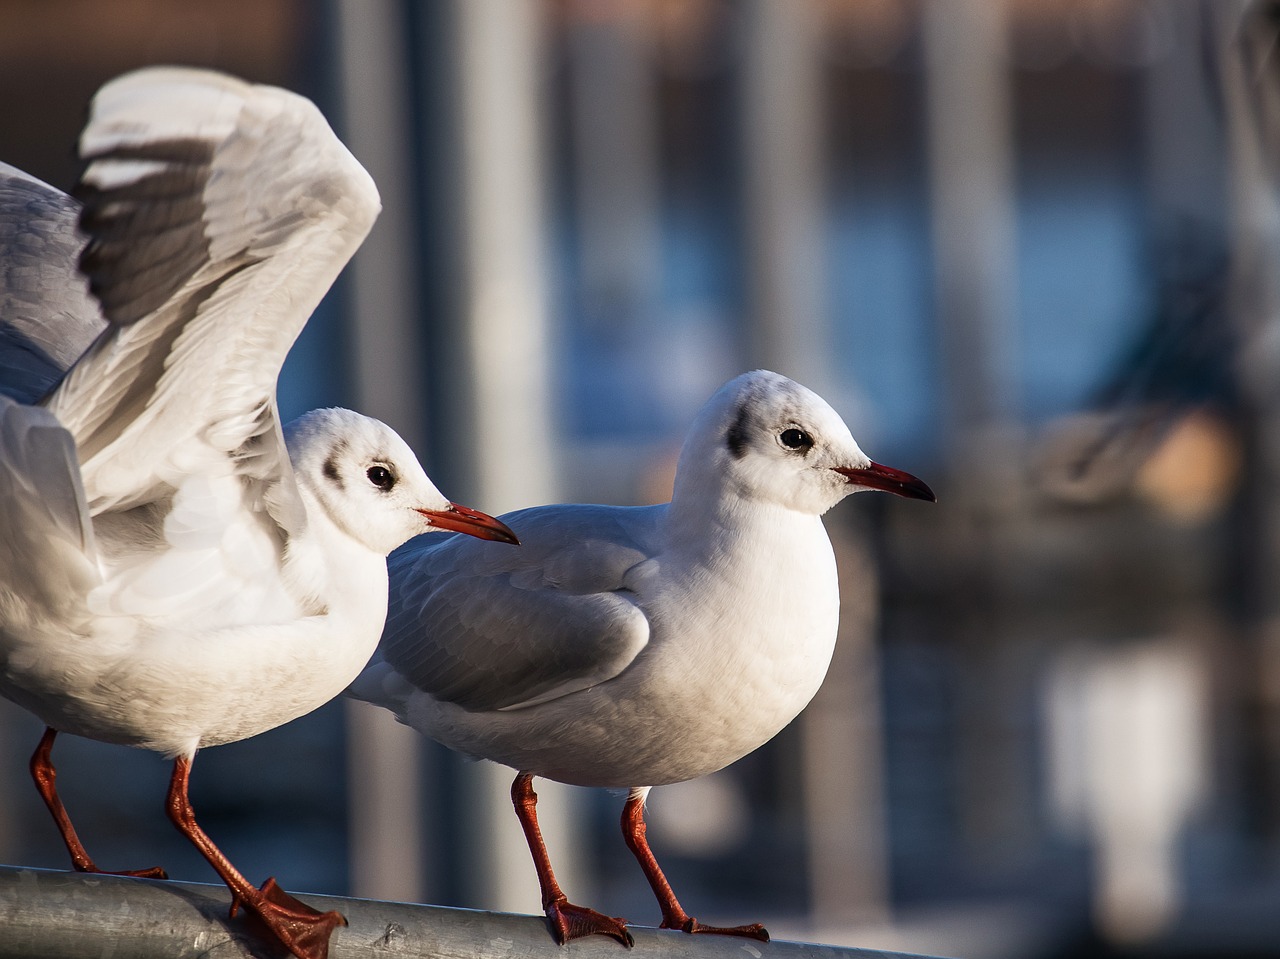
x,y
219,213
503,629
47,316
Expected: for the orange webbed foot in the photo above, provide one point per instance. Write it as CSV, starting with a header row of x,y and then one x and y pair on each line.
x,y
301,929
574,922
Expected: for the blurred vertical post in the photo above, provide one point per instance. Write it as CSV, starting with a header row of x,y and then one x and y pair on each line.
x,y
383,758
783,178
780,121
612,102
1183,148
1247,41
970,160
843,745
970,173
502,384
503,288
1245,38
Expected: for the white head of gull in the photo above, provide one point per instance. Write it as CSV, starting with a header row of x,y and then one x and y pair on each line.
x,y
178,571
629,647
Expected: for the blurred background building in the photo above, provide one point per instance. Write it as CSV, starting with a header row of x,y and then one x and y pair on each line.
x,y
1027,248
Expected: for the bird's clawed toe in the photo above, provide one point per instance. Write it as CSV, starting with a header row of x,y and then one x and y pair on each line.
x,y
301,929
574,922
690,925
154,872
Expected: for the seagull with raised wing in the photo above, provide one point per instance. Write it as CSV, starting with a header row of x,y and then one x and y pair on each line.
x,y
628,647
176,569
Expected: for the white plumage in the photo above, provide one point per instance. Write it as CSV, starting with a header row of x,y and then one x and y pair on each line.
x,y
636,646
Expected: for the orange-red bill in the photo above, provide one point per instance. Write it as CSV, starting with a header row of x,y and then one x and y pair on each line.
x,y
463,519
889,480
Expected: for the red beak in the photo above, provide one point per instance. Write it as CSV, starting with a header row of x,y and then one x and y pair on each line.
x,y
463,519
888,479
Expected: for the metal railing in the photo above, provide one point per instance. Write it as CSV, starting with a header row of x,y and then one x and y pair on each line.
x,y
45,913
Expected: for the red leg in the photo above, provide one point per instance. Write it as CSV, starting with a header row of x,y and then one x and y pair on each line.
x,y
567,920
46,778
301,929
673,916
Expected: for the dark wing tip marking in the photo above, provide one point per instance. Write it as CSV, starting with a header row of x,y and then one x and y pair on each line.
x,y
183,151
146,237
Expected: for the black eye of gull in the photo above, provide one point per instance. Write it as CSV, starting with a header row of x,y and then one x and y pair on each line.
x,y
381,477
795,439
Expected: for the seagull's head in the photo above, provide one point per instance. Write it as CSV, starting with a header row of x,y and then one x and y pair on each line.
x,y
371,484
765,437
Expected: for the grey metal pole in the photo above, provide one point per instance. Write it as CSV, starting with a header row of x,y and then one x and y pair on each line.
x,y
386,837
505,328
65,915
385,330
971,175
612,99
781,129
841,748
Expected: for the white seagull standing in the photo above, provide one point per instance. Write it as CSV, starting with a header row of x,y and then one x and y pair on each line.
x,y
629,647
177,571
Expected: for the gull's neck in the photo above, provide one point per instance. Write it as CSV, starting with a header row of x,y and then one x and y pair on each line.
x,y
707,519
333,568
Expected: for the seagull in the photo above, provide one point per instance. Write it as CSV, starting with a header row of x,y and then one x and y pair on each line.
x,y
629,647
178,570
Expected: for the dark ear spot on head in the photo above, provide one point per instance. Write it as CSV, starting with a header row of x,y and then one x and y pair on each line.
x,y
736,437
331,470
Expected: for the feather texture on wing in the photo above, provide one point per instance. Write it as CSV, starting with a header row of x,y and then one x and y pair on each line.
x,y
508,629
207,271
47,316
